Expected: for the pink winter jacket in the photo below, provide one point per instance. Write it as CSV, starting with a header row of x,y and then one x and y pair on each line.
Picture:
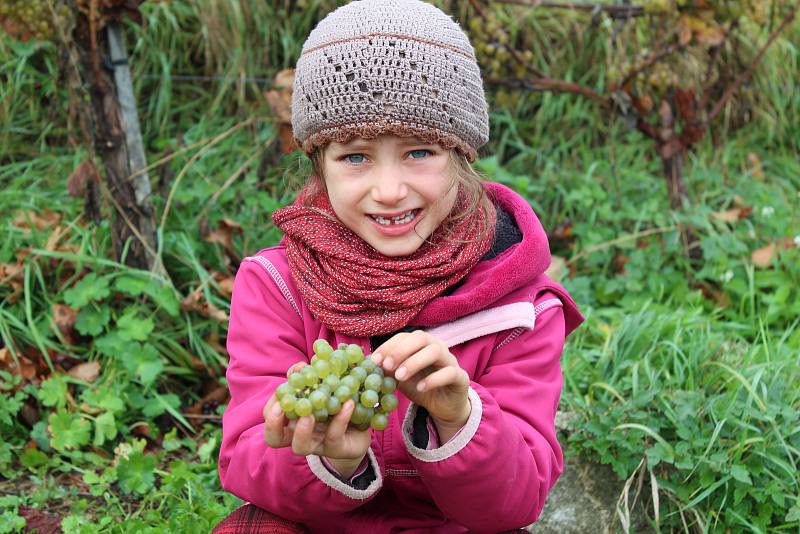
x,y
506,323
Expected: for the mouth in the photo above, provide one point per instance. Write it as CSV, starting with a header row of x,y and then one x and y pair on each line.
x,y
393,220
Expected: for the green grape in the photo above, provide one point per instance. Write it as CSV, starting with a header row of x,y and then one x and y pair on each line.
x,y
318,399
378,421
388,403
303,407
334,377
322,367
333,405
288,402
343,393
310,375
296,381
389,384
338,363
374,381
321,415
283,389
369,398
322,349
354,354
360,415
332,381
359,373
351,382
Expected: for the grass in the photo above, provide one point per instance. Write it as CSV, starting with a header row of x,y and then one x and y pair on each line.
x,y
693,370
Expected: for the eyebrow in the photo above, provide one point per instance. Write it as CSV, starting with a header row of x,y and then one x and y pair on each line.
x,y
360,144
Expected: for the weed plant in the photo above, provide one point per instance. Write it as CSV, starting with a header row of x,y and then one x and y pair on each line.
x,y
685,374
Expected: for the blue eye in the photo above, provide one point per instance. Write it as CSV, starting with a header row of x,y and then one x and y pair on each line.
x,y
417,154
354,158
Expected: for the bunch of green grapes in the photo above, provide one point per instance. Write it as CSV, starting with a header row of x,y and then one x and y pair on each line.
x,y
25,19
334,376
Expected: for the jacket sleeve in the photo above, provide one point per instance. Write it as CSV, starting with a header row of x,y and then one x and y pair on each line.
x,y
265,337
495,474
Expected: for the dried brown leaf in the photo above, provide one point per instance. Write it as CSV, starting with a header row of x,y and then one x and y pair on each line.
x,y
45,219
65,318
763,256
732,215
193,302
557,269
86,371
40,522
756,169
76,183
224,234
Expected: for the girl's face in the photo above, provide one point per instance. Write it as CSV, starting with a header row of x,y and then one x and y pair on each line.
x,y
393,192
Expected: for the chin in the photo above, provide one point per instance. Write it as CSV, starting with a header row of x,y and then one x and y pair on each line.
x,y
397,250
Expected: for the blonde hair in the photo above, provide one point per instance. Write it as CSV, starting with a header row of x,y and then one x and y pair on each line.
x,y
463,176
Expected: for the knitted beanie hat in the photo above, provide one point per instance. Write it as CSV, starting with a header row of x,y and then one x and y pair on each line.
x,y
403,67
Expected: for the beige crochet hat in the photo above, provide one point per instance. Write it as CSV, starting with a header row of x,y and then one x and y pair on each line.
x,y
373,67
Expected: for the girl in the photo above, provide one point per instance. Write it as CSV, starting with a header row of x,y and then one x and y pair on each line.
x,y
395,245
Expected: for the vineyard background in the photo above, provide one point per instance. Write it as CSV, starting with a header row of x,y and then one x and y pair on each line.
x,y
657,141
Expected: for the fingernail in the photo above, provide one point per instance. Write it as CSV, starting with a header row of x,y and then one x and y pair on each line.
x,y
388,363
306,421
421,386
400,373
377,357
276,410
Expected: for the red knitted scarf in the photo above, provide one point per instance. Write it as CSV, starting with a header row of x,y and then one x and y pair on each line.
x,y
355,290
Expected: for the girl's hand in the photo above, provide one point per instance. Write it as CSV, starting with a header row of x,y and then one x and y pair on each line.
x,y
344,447
429,375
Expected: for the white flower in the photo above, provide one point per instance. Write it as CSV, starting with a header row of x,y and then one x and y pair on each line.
x,y
727,276
797,240
767,211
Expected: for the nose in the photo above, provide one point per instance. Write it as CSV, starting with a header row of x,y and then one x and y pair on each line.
x,y
389,186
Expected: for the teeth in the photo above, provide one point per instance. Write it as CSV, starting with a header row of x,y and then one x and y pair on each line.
x,y
395,220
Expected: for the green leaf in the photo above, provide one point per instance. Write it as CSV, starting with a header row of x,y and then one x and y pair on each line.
x,y
165,299
133,328
112,345
206,450
89,289
136,473
132,285
740,473
103,397
53,392
68,431
11,522
145,362
92,319
155,406
105,429
794,512
33,458
170,442
9,406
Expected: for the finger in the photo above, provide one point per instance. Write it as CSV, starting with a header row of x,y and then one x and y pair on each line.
x,y
400,346
338,425
302,441
295,368
275,432
430,356
446,376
